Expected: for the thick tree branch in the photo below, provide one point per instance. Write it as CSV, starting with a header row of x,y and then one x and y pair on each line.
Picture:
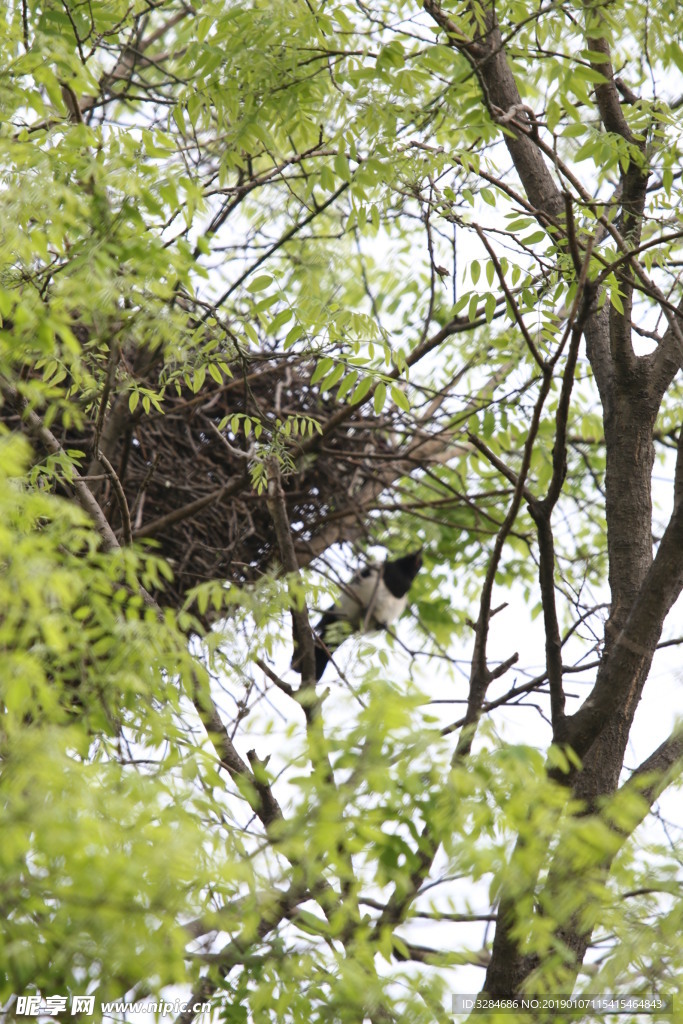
x,y
620,680
665,762
667,358
553,642
501,95
606,92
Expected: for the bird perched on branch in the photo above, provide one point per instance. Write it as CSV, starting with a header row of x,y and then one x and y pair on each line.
x,y
372,599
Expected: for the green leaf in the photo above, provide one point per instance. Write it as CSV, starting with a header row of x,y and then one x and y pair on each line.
x,y
361,390
534,238
259,283
323,366
332,378
341,166
348,382
400,398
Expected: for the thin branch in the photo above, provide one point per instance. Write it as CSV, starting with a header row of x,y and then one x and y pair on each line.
x,y
120,497
274,677
294,230
232,954
514,308
541,511
82,492
480,675
189,510
258,794
302,633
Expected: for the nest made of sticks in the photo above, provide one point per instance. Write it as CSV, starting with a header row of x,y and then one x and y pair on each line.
x,y
186,475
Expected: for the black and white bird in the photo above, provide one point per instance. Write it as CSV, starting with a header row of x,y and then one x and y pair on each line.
x,y
374,598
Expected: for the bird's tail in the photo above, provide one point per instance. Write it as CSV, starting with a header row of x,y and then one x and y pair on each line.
x,y
322,657
323,647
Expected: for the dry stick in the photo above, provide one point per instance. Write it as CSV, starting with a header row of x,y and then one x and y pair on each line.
x,y
186,511
120,497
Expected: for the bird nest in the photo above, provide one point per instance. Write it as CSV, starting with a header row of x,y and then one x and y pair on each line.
x,y
189,477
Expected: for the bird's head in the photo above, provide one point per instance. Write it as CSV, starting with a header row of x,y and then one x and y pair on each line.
x,y
410,564
399,573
